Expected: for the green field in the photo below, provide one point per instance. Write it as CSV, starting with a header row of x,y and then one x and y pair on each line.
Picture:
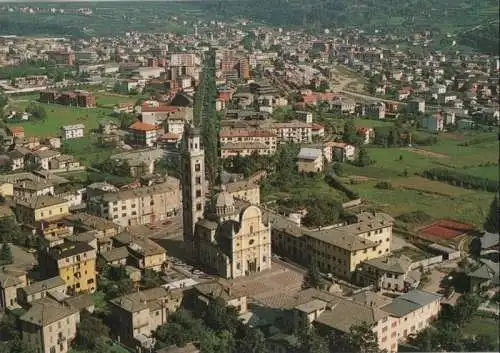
x,y
483,326
59,115
87,150
107,99
412,193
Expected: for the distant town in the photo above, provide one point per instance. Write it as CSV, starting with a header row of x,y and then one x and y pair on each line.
x,y
246,188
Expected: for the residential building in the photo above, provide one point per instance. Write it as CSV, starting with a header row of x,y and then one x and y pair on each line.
x,y
433,123
485,276
343,151
81,99
343,106
387,272
39,290
72,131
49,326
416,106
220,288
142,205
11,280
64,163
144,253
232,239
375,110
293,132
339,249
142,134
330,313
62,57
247,137
102,229
74,262
28,189
243,149
137,315
17,160
366,133
414,311
43,157
40,208
310,160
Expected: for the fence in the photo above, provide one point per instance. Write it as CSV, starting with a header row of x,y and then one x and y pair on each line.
x,y
427,262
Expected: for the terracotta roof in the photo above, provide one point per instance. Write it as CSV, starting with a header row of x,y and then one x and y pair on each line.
x,y
140,126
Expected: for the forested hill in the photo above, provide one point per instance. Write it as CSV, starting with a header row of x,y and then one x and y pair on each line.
x,y
439,16
474,23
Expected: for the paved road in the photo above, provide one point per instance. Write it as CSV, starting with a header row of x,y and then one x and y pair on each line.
x,y
368,97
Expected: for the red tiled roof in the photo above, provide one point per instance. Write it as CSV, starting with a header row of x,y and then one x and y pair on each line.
x,y
16,129
364,129
140,126
224,96
316,126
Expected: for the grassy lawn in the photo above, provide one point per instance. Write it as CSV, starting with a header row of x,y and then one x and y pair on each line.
x,y
107,99
87,150
371,123
489,172
305,188
470,207
483,326
59,115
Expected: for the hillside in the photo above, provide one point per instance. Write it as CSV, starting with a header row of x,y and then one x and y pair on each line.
x,y
472,23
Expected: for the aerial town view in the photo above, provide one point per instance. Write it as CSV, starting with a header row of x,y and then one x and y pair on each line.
x,y
249,176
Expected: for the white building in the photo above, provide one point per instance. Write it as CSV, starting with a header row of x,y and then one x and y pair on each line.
x,y
72,131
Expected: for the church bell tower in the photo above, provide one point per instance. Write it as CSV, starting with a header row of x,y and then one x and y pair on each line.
x,y
193,186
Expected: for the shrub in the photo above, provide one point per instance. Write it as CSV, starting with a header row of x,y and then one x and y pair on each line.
x,y
385,185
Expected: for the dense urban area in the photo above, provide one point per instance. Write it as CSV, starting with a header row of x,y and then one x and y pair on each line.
x,y
249,176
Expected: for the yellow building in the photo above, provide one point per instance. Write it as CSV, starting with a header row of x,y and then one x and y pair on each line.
x,y
310,160
41,208
74,262
338,250
6,189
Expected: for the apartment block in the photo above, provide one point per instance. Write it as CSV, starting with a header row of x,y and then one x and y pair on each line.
x,y
142,205
338,249
74,262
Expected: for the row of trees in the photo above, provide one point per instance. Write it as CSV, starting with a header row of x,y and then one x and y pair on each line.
x,y
208,118
460,179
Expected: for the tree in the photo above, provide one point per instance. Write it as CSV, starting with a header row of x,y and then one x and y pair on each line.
x,y
37,111
363,158
465,308
180,329
350,134
362,339
150,279
252,340
313,277
311,342
6,254
91,331
492,222
220,317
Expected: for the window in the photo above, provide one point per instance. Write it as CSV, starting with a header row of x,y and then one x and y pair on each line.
x,y
198,207
134,213
384,329
157,313
115,216
50,212
238,266
264,259
384,338
198,193
124,207
124,215
197,167
387,239
198,180
251,229
251,242
394,334
152,203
